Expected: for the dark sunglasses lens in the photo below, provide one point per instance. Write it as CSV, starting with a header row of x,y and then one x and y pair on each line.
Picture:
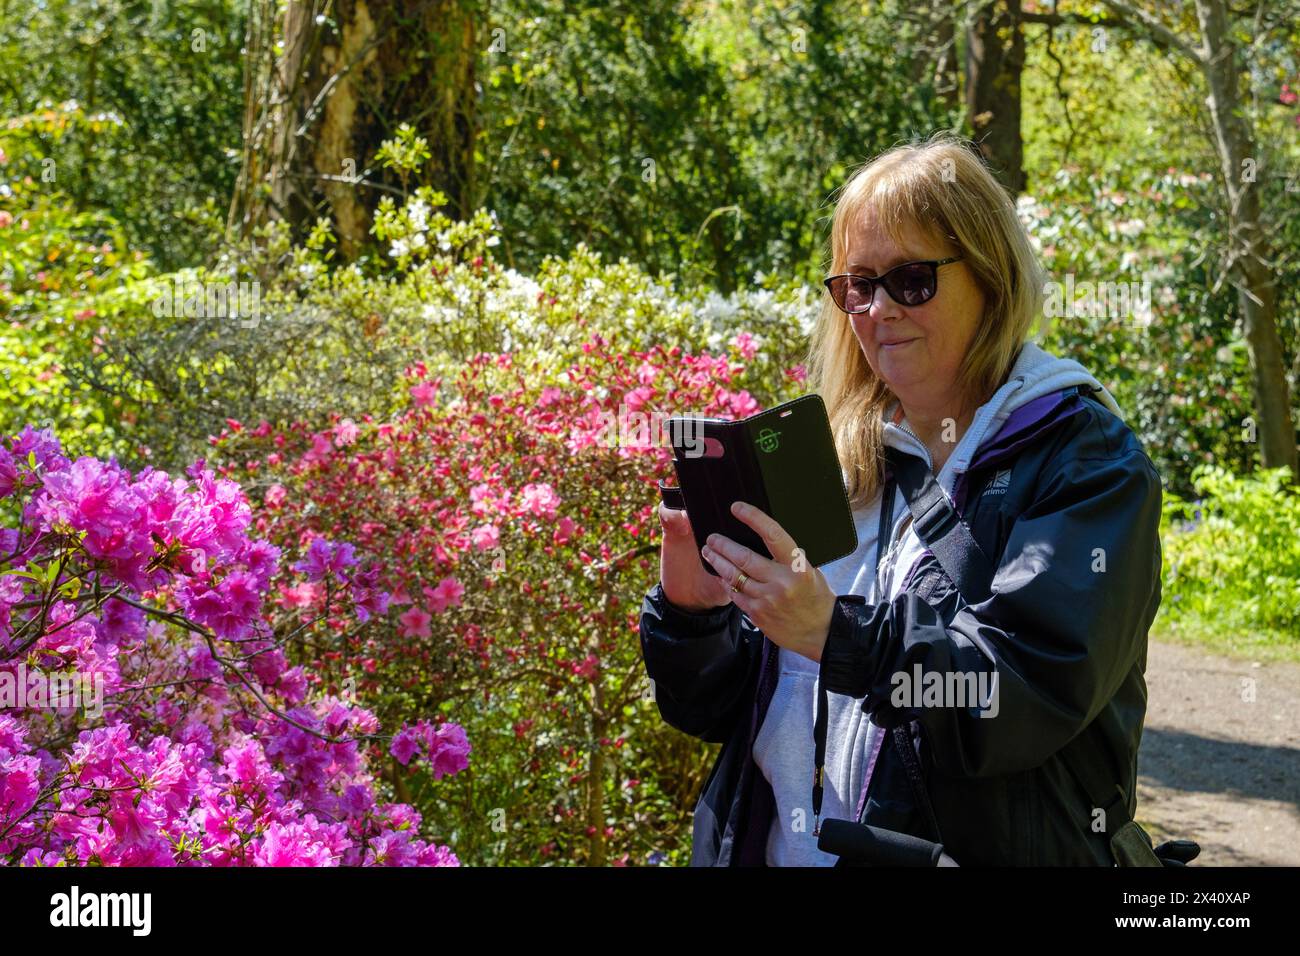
x,y
851,293
911,284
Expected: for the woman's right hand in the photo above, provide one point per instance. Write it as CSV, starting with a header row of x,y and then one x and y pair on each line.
x,y
681,570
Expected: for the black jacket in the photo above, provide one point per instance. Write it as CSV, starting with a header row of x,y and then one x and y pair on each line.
x,y
1075,537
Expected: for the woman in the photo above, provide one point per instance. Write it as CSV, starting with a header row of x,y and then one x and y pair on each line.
x,y
922,350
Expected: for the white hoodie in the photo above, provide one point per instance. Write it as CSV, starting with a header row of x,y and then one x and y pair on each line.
x,y
783,749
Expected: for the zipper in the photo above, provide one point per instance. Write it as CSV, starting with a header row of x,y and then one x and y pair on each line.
x,y
896,540
889,556
929,462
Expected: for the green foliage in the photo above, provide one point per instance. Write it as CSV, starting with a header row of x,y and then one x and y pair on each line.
x,y
702,142
1093,98
1232,557
54,260
1179,372
405,153
166,82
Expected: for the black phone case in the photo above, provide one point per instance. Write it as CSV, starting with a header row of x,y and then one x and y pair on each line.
x,y
782,461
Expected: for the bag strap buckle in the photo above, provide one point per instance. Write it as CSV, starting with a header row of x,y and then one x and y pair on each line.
x,y
938,517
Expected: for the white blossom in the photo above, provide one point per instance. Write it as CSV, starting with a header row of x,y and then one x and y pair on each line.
x,y
417,210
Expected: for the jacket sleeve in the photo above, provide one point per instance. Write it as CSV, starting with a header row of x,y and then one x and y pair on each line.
x,y
1075,592
704,665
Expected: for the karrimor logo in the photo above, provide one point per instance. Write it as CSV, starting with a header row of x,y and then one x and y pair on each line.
x,y
74,908
999,485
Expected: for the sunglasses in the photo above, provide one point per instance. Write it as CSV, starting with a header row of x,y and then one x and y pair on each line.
x,y
911,283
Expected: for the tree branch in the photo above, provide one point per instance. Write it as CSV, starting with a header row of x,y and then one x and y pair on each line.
x,y
1155,28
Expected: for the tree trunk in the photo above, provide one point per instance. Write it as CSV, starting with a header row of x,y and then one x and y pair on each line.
x,y
596,777
945,67
995,58
935,54
347,75
1248,250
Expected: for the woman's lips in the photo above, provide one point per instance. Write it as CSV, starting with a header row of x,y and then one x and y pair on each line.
x,y
891,346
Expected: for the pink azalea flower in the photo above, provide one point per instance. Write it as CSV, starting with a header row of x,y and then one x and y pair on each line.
x,y
486,537
447,749
324,558
636,399
744,344
44,444
369,602
564,530
415,622
8,473
742,404
438,855
275,496
424,393
321,449
405,745
345,433
447,594
540,500
300,595
483,499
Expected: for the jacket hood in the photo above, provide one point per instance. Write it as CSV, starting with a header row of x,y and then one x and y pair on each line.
x,y
1036,374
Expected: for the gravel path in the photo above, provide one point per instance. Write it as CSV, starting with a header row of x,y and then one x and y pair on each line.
x,y
1216,766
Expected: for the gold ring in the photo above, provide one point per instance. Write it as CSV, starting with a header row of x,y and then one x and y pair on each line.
x,y
740,582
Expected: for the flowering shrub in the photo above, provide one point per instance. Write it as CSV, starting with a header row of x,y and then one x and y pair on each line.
x,y
518,522
148,711
441,297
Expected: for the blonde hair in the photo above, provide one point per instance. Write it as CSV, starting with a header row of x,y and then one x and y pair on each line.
x,y
939,187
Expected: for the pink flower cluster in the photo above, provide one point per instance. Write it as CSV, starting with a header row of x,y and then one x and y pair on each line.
x,y
444,747
207,748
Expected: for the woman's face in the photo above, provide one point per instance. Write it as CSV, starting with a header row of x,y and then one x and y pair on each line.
x,y
916,349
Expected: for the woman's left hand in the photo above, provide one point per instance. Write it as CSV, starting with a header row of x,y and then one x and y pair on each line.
x,y
792,607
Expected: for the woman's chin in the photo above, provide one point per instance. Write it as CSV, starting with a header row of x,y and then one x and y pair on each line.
x,y
901,377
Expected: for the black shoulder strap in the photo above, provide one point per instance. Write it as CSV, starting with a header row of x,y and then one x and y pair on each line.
x,y
942,530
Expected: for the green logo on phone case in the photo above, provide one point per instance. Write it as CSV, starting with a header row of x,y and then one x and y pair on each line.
x,y
767,440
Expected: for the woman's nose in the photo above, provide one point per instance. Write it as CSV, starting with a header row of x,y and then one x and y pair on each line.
x,y
882,305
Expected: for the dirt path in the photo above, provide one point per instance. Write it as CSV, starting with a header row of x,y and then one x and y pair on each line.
x,y
1214,765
